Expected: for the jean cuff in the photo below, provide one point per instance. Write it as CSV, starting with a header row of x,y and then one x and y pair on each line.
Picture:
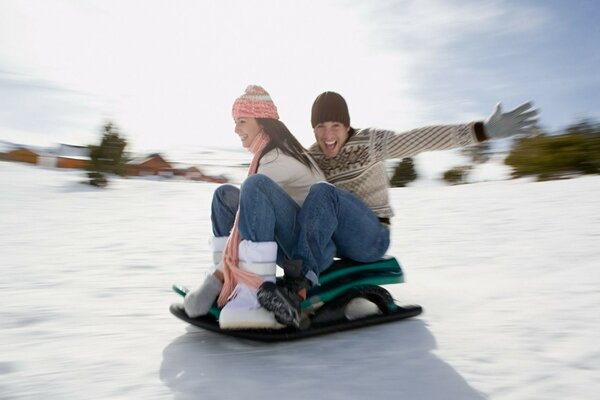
x,y
313,278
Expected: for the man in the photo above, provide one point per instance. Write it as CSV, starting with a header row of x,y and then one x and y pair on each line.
x,y
349,217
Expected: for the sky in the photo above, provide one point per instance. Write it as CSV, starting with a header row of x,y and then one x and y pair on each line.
x,y
167,72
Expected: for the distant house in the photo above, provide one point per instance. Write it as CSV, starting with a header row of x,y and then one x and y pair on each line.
x,y
189,173
5,148
166,172
196,174
23,154
154,164
193,173
70,150
70,156
68,162
214,178
66,156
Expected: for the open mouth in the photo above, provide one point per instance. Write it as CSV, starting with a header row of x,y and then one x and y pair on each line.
x,y
330,145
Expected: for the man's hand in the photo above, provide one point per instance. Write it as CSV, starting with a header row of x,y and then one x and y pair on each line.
x,y
520,120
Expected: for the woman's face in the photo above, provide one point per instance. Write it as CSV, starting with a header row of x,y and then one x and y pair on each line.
x,y
331,136
247,129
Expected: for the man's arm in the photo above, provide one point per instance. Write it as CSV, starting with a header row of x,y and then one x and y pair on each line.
x,y
443,137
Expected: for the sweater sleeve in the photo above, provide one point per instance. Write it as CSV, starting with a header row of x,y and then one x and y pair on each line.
x,y
393,145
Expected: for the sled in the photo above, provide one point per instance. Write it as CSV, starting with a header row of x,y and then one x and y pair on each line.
x,y
326,308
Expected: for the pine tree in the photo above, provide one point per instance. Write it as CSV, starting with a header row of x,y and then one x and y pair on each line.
x,y
108,157
404,173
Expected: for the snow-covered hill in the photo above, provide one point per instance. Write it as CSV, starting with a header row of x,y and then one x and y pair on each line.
x,y
507,272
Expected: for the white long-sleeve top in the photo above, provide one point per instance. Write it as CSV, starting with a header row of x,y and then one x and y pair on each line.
x,y
293,176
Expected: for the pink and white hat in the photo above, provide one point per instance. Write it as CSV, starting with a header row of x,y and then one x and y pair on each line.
x,y
255,103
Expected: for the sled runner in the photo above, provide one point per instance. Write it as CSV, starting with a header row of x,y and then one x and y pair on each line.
x,y
326,308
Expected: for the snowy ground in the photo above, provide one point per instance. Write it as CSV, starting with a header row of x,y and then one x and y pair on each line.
x,y
507,273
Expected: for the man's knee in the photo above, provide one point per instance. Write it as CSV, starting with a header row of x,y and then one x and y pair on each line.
x,y
321,189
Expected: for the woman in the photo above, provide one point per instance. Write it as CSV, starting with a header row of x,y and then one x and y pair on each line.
x,y
255,226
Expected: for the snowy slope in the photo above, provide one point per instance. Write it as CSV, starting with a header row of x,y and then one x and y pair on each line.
x,y
507,272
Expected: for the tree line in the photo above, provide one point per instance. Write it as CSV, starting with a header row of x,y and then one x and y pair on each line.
x,y
573,152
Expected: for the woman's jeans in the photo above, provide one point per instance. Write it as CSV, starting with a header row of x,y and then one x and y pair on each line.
x,y
334,222
267,213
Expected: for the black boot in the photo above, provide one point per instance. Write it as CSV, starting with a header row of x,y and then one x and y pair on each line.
x,y
285,298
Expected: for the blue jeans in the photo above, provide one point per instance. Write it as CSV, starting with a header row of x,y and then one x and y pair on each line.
x,y
267,213
334,222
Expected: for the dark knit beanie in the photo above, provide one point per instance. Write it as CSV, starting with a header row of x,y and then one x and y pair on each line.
x,y
329,107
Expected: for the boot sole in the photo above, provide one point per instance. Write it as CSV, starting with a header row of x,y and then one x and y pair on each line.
x,y
271,299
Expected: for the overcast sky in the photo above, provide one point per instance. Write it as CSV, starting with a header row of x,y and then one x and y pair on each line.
x,y
167,72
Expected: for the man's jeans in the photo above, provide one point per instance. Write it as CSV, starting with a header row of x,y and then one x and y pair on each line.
x,y
267,213
334,222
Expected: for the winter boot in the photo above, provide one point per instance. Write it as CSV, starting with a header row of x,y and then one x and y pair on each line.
x,y
284,299
243,311
198,301
217,245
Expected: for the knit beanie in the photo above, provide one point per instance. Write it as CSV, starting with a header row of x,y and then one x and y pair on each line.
x,y
255,103
330,106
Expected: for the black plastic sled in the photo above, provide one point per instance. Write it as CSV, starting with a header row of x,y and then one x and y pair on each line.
x,y
325,309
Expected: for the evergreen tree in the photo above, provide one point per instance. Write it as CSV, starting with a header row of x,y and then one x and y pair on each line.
x,y
558,156
108,157
404,173
586,127
457,175
478,153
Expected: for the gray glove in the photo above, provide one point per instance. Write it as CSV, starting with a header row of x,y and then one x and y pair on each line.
x,y
198,301
520,120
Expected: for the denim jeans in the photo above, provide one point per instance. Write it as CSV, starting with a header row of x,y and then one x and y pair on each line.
x,y
267,213
334,222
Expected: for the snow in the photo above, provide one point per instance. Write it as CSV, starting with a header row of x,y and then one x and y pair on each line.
x,y
507,272
430,167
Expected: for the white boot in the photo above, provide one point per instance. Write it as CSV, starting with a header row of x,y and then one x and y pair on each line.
x,y
243,311
217,245
198,301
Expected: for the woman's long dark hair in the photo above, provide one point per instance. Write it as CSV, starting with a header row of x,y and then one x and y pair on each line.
x,y
283,140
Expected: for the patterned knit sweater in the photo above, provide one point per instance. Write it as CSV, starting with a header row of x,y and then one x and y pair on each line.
x,y
359,166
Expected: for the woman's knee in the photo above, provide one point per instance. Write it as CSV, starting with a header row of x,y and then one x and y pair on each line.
x,y
226,194
256,182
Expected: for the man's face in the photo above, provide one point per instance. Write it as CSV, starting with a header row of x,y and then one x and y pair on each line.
x,y
331,136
